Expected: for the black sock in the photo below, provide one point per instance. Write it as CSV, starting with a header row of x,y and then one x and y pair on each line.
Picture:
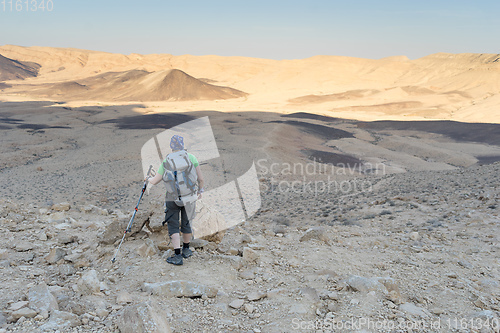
x,y
185,245
177,251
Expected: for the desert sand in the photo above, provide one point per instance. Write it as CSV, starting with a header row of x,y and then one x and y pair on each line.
x,y
462,87
378,182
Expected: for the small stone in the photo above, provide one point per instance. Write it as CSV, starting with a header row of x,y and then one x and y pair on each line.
x,y
18,305
481,303
73,257
314,233
89,283
67,269
61,320
246,238
333,307
198,243
255,295
247,274
24,246
63,206
103,286
233,251
249,308
147,249
451,275
414,310
365,285
465,264
42,236
67,239
437,311
24,312
102,313
250,256
82,262
123,298
414,236
4,254
333,295
237,303
55,255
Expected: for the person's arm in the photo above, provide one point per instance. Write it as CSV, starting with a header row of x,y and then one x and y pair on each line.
x,y
201,181
156,179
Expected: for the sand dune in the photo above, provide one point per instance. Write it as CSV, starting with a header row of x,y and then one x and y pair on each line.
x,y
448,86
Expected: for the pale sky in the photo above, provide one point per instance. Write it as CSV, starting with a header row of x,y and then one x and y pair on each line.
x,y
254,28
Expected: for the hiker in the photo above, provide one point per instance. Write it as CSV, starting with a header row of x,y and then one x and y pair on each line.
x,y
182,174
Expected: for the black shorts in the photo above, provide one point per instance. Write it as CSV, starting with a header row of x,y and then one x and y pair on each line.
x,y
172,219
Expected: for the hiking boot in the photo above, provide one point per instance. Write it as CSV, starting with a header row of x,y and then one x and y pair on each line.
x,y
176,259
186,252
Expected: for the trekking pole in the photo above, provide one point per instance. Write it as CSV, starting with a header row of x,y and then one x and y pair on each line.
x,y
129,227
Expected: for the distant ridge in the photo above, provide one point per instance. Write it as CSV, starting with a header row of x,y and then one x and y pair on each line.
x,y
16,70
441,86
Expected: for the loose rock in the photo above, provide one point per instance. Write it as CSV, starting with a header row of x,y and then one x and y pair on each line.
x,y
179,289
41,300
60,320
145,317
63,206
24,312
314,233
414,310
236,304
89,283
123,298
55,255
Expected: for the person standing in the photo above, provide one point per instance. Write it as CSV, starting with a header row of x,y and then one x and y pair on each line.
x,y
179,204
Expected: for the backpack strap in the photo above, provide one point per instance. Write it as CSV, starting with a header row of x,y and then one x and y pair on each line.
x,y
191,185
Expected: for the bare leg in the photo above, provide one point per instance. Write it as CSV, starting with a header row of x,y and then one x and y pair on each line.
x,y
186,238
176,241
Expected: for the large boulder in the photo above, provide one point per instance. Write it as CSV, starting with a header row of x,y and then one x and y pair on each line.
x,y
41,300
146,317
208,224
155,222
114,231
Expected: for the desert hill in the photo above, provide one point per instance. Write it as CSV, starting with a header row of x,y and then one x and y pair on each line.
x,y
139,85
16,70
462,87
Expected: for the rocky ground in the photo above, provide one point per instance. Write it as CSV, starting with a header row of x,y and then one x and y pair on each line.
x,y
417,252
410,244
